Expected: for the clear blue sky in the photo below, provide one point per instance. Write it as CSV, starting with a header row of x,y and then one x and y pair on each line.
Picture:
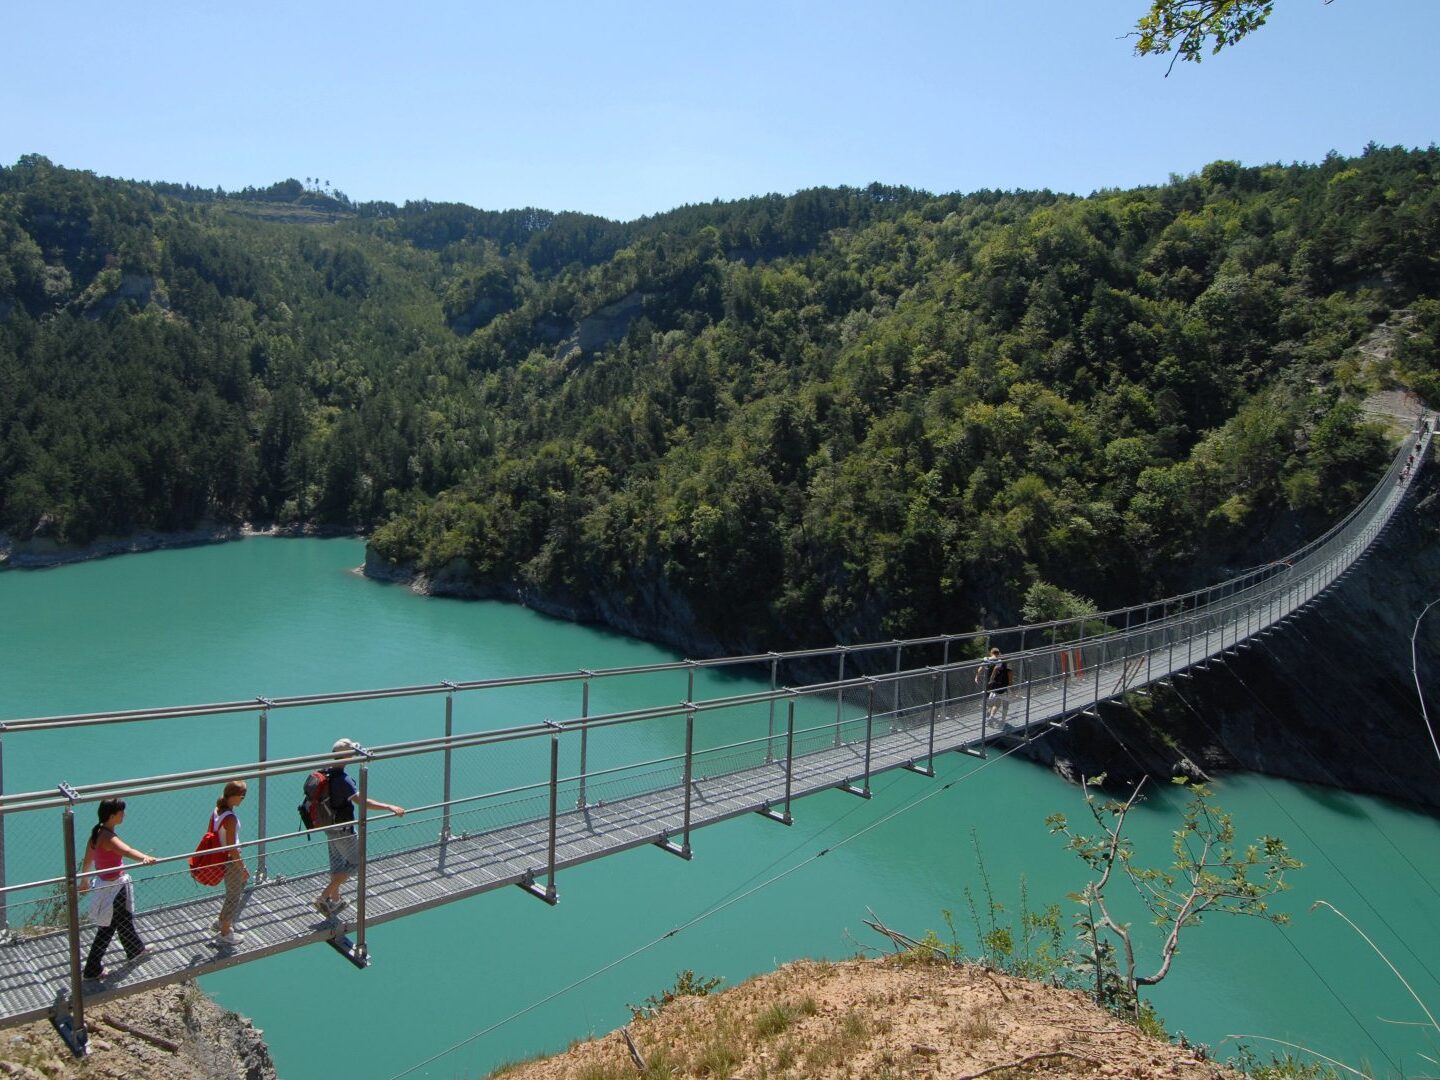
x,y
628,109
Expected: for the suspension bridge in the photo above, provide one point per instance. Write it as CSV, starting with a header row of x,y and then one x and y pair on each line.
x,y
515,806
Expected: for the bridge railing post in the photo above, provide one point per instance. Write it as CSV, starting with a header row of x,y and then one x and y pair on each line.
x,y
1025,676
548,893
584,736
789,756
1172,626
4,905
363,842
869,736
945,679
1065,684
840,697
1125,647
1190,625
76,1036
684,851
1209,618
1100,654
770,728
446,764
263,785
934,708
895,697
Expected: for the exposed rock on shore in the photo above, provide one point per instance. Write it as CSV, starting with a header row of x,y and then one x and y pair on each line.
x,y
210,1043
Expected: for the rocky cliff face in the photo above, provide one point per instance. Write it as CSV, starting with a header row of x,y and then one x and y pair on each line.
x,y
174,1033
652,612
1329,699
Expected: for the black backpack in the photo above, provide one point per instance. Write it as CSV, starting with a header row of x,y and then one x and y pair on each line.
x,y
1000,676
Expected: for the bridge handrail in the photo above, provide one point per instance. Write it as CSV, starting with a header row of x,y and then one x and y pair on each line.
x,y
49,798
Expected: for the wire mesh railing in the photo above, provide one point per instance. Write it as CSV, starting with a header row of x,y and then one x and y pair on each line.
x,y
536,787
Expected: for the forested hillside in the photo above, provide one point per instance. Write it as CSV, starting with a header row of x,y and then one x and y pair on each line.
x,y
845,414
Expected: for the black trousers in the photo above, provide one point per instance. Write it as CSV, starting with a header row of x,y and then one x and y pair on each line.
x,y
122,922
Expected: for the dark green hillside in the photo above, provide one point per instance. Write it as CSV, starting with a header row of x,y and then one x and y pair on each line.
x,y
846,413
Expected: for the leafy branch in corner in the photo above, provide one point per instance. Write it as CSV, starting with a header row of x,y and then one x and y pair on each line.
x,y
1186,27
1208,875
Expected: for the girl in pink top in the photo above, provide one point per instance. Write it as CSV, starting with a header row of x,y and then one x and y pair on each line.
x,y
112,899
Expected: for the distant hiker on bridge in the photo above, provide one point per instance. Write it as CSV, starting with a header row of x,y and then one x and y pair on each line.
x,y
224,821
112,896
340,799
995,677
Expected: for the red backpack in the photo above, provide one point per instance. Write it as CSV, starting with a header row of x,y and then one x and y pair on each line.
x,y
207,865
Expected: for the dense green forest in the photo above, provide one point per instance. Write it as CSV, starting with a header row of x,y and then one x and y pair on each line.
x,y
843,414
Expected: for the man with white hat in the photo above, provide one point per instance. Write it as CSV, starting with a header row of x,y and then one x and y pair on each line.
x,y
344,845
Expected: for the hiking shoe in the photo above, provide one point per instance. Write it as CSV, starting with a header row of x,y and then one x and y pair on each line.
x,y
143,954
231,939
102,974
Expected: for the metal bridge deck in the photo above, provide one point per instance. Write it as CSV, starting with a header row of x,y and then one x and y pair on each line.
x,y
278,913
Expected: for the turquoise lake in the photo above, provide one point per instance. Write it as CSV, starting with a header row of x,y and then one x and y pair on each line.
x,y
501,976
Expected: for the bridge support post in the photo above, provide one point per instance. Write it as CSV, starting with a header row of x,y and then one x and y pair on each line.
x,y
1025,674
446,763
770,730
548,892
864,792
984,731
785,818
4,909
584,736
945,682
260,866
1209,619
69,1017
1101,651
929,769
361,957
895,698
840,697
683,848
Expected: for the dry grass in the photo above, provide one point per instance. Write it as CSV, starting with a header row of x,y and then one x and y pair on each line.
x,y
868,1019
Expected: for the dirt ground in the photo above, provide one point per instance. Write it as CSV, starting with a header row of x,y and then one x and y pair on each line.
x,y
876,1020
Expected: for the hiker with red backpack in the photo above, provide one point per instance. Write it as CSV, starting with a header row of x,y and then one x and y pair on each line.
x,y
330,803
217,858
227,825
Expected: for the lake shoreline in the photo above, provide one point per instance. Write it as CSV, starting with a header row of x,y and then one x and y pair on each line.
x,y
44,554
